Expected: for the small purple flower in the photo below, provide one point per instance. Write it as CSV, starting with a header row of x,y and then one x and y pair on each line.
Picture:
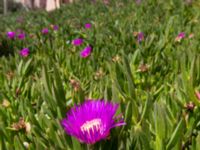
x,y
180,36
24,52
45,31
55,27
11,34
140,36
77,41
21,36
138,1
86,52
88,25
91,121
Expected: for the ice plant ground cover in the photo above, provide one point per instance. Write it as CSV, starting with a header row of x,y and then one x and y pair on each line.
x,y
142,55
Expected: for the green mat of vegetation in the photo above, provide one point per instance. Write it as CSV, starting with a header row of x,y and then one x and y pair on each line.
x,y
145,57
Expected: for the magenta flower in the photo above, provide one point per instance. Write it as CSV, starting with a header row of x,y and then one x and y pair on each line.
x,y
21,36
55,27
11,34
45,31
86,52
140,37
180,36
77,42
92,121
24,52
88,25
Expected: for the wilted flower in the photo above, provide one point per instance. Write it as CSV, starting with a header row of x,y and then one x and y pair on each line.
x,y
197,95
24,52
17,92
92,121
77,41
190,106
32,35
11,34
21,36
191,35
45,31
86,52
116,58
180,37
135,34
143,68
10,75
5,103
75,84
88,25
21,124
99,74
140,36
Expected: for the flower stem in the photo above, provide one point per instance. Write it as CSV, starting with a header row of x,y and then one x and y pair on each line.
x,y
90,147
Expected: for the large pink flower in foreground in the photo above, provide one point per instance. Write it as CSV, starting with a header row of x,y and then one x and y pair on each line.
x,y
91,121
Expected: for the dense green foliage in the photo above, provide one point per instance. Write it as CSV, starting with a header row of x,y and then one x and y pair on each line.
x,y
154,81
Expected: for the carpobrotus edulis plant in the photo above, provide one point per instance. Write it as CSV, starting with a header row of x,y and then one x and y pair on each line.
x,y
91,121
